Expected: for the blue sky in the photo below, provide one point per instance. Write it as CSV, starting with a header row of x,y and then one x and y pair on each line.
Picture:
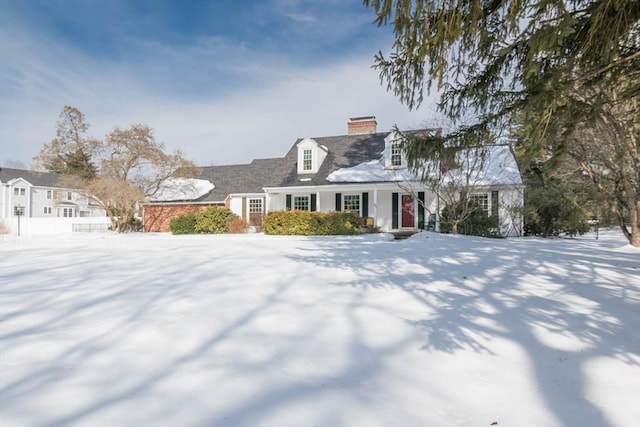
x,y
225,81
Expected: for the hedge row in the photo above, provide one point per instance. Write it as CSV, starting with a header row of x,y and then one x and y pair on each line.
x,y
305,223
210,221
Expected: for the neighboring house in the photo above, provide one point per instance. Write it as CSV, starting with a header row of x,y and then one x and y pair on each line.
x,y
38,195
363,171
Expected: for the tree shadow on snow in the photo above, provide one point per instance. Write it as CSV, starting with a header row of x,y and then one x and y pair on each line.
x,y
477,290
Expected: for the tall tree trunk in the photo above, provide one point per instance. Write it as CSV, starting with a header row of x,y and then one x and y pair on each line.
x,y
634,215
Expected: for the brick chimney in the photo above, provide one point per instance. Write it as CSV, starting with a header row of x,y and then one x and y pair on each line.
x,y
362,125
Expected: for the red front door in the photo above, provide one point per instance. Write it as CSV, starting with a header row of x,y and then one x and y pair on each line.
x,y
408,215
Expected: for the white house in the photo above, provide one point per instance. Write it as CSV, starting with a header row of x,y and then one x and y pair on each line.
x,y
42,204
363,171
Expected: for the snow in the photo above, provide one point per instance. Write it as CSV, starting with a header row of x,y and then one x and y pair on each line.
x,y
177,189
498,167
372,171
253,330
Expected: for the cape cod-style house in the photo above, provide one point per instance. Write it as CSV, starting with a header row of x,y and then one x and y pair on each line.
x,y
363,171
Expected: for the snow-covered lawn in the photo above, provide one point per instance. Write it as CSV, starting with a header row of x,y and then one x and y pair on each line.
x,y
252,330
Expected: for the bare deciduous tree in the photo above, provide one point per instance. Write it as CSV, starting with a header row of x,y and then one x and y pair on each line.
x,y
132,167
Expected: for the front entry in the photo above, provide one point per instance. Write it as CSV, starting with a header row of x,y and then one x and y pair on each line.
x,y
408,211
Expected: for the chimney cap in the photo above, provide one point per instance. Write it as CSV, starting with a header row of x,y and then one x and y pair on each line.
x,y
362,118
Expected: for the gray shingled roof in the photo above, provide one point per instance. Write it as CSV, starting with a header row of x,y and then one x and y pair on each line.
x,y
40,179
344,151
247,178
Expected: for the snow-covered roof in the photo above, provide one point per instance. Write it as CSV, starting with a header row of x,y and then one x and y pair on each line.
x,y
490,165
183,189
373,171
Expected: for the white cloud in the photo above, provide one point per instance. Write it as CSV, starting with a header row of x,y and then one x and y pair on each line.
x,y
218,102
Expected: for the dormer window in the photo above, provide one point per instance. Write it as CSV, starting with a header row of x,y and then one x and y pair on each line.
x,y
310,156
307,164
393,155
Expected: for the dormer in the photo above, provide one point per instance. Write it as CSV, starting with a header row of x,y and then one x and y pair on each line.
x,y
394,158
310,156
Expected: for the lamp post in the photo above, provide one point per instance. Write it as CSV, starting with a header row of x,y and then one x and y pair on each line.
x,y
19,214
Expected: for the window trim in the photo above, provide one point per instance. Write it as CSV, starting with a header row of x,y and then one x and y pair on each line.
x,y
483,200
295,204
395,153
253,202
357,197
307,159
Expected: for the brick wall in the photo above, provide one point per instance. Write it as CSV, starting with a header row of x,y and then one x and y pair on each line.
x,y
157,217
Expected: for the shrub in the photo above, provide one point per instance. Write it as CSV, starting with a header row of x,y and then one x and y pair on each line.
x,y
183,224
553,210
4,229
476,223
134,224
214,220
238,226
304,223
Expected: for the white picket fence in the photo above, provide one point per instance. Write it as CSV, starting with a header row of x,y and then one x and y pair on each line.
x,y
33,226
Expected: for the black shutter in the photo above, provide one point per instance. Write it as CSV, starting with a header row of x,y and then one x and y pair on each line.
x,y
394,210
421,210
312,206
338,202
365,205
288,197
495,204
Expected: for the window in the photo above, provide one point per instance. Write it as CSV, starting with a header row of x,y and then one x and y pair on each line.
x,y
49,195
306,160
47,210
19,191
18,210
67,212
352,203
301,203
396,153
481,200
68,195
